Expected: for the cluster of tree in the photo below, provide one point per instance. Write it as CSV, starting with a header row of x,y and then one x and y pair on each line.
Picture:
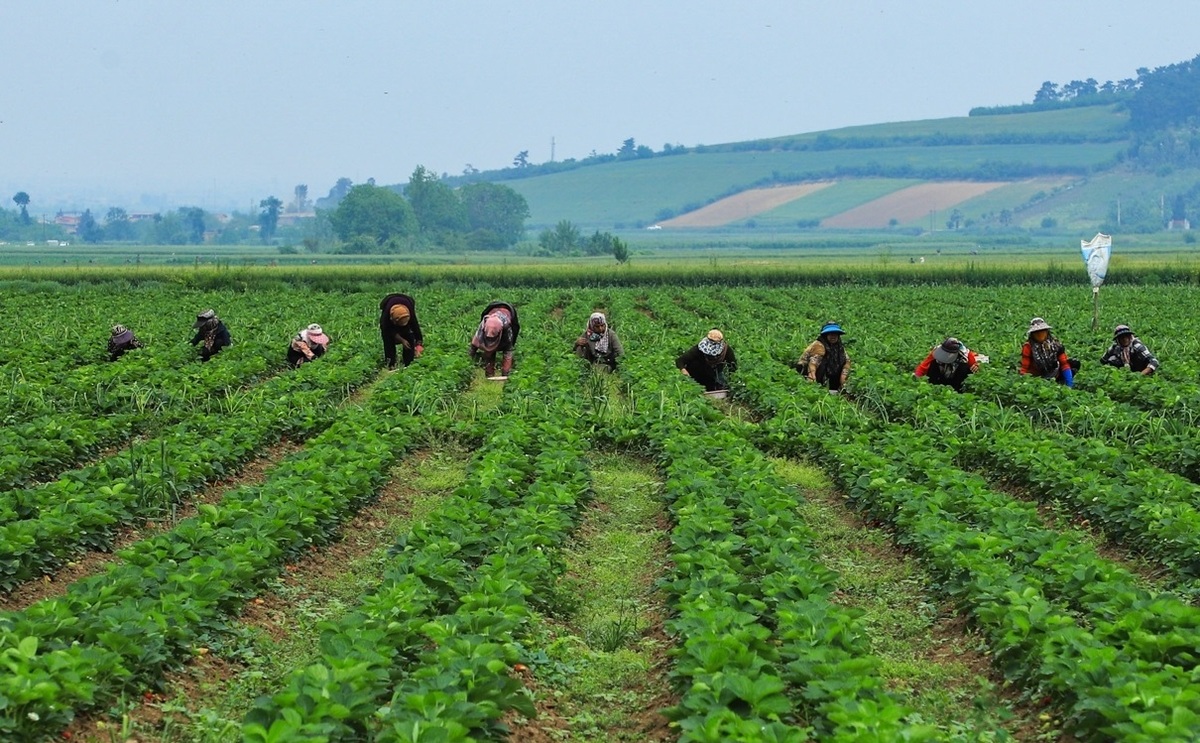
x,y
17,225
1085,89
523,168
189,225
566,239
1166,97
428,212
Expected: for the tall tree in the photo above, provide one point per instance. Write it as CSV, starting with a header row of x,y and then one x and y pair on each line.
x,y
521,160
1048,92
268,218
436,205
562,239
336,194
22,200
620,250
87,229
379,213
116,224
495,208
193,221
300,203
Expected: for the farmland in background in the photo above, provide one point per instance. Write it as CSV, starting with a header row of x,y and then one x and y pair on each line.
x,y
612,194
342,551
744,205
839,197
910,204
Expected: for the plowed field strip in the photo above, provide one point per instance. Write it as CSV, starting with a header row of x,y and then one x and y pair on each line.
x,y
744,205
910,204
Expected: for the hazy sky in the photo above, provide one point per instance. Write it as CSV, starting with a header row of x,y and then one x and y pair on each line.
x,y
220,103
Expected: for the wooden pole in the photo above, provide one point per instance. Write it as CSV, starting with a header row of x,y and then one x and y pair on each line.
x,y
1095,308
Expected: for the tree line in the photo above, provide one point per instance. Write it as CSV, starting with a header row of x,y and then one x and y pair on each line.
x,y
425,213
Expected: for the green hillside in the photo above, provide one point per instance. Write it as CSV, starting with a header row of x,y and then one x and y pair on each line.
x,y
641,192
1065,168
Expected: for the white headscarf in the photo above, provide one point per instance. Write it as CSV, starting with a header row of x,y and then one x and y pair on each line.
x,y
600,344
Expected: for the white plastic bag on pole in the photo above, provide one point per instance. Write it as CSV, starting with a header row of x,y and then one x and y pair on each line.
x,y
1095,256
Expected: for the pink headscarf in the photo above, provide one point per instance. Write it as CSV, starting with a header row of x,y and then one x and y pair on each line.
x,y
491,328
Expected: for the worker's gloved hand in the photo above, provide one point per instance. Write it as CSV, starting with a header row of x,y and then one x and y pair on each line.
x,y
1068,377
684,372
418,349
1147,371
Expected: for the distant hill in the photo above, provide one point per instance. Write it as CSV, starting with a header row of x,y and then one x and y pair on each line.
x,y
1023,158
1122,157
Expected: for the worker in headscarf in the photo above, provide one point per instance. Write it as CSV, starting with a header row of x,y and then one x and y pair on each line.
x,y
497,334
948,363
211,333
709,362
308,344
398,325
1128,352
825,361
1043,355
121,340
599,343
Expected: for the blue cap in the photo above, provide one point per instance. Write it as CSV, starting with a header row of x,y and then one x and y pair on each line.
x,y
831,327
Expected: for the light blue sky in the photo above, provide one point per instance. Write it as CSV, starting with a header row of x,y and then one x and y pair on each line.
x,y
220,103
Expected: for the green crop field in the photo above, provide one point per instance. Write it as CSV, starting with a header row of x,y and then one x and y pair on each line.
x,y
604,196
237,550
1097,122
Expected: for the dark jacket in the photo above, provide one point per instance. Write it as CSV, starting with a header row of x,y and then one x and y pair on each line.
x,y
221,340
1139,356
117,350
406,335
953,373
712,372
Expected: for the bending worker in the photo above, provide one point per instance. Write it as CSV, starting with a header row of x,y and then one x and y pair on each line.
x,y
398,325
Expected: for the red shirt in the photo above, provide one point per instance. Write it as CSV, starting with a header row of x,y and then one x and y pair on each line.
x,y
1027,360
923,367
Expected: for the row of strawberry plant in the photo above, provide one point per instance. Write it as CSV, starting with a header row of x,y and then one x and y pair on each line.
x,y
1175,396
762,645
1153,511
46,525
165,374
85,509
42,445
1127,674
427,656
33,449
1154,436
94,408
123,629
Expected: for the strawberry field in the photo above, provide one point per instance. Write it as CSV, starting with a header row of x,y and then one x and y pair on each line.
x,y
238,550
